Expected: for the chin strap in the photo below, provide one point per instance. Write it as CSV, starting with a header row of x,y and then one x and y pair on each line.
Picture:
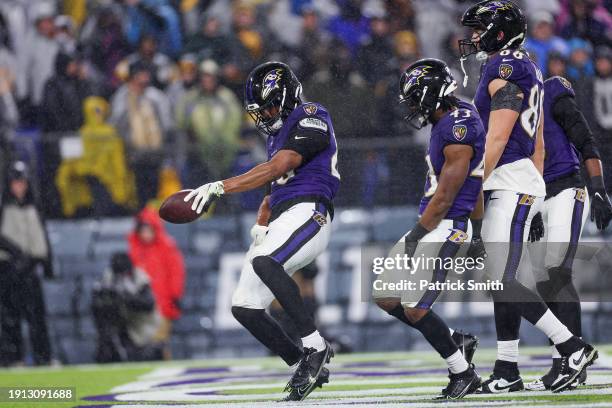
x,y
465,75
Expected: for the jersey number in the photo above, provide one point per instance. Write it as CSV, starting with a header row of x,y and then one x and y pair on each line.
x,y
530,118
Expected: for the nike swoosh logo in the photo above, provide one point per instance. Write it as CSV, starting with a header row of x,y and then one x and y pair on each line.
x,y
459,121
300,137
576,362
507,60
497,388
599,196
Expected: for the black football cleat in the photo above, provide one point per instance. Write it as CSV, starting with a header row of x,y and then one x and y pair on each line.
x,y
467,344
544,383
294,395
499,385
305,378
461,384
572,366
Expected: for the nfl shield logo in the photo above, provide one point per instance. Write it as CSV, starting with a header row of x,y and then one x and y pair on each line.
x,y
505,70
459,132
310,109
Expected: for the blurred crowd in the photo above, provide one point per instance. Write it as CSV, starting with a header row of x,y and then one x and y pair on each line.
x,y
133,99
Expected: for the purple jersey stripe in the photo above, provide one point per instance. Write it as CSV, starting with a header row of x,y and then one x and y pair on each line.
x,y
568,260
517,231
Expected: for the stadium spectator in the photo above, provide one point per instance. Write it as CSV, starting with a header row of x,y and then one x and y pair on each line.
x,y
63,96
125,314
22,225
36,61
350,27
155,252
142,115
377,51
211,43
65,34
343,92
583,22
103,41
435,21
580,63
188,78
542,40
157,18
162,66
211,115
557,65
99,180
314,46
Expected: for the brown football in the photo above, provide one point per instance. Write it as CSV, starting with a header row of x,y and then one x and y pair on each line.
x,y
177,211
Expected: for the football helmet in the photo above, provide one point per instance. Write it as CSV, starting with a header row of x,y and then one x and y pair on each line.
x,y
271,93
426,86
493,18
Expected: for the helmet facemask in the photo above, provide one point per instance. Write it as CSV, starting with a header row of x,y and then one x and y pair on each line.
x,y
269,117
422,104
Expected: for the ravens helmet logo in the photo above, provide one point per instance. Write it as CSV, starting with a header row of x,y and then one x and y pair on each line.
x,y
270,82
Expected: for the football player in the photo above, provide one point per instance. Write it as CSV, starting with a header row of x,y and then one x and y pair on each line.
x,y
509,100
293,223
568,139
452,188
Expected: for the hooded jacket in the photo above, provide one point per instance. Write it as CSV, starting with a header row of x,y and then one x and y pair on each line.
x,y
162,261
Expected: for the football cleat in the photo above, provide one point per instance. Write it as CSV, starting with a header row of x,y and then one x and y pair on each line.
x,y
305,378
467,344
547,379
572,366
294,394
499,385
461,384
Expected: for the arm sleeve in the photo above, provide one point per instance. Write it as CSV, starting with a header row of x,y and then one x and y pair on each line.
x,y
571,119
307,142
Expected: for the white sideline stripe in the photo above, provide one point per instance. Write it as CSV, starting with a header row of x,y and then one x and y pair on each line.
x,y
426,393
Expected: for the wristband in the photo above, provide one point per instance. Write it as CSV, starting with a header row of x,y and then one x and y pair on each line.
x,y
476,228
417,232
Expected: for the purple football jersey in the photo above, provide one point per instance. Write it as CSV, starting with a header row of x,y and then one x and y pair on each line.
x,y
516,67
561,155
317,177
461,126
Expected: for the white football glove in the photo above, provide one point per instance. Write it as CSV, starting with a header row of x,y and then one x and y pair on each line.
x,y
258,233
205,195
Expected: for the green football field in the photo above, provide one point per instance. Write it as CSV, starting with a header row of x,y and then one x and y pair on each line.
x,y
357,380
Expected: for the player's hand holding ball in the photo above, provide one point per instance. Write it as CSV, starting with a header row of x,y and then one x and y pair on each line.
x,y
204,196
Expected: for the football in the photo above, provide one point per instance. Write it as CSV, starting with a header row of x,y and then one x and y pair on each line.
x,y
175,210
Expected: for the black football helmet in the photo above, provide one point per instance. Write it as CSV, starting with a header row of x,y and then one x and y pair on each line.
x,y
493,18
425,86
271,93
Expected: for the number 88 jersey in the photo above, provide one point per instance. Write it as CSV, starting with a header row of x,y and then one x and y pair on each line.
x,y
516,67
515,171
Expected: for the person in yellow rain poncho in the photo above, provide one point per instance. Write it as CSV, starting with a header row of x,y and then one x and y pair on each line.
x,y
102,166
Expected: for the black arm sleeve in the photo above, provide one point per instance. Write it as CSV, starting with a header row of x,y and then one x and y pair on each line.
x,y
308,143
507,97
575,126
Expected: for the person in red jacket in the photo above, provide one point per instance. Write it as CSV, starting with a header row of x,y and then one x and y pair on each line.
x,y
152,249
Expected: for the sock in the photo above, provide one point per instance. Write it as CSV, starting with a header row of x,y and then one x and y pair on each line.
x,y
553,328
456,363
268,332
314,340
508,350
555,353
286,291
437,334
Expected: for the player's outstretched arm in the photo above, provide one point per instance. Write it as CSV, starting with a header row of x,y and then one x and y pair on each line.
x,y
283,162
506,102
452,176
